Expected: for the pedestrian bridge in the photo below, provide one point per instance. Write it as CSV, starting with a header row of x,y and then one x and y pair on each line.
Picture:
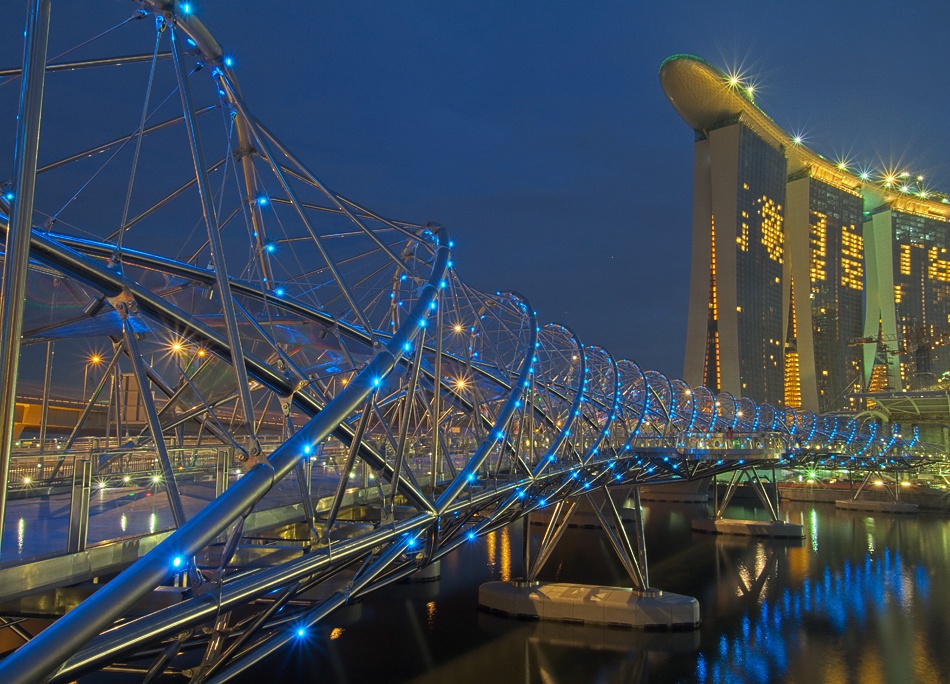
x,y
282,399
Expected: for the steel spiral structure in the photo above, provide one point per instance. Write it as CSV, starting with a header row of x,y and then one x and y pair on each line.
x,y
250,307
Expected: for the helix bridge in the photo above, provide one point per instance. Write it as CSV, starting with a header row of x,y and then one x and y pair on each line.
x,y
223,329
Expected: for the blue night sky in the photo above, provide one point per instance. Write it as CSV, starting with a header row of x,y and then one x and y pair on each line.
x,y
539,132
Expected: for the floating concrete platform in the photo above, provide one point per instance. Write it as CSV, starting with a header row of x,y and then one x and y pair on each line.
x,y
876,506
777,529
583,603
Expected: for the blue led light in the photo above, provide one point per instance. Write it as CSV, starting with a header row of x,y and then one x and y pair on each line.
x,y
228,62
8,197
301,632
520,494
279,292
177,561
422,322
262,201
542,502
307,448
186,8
270,247
375,382
411,543
470,535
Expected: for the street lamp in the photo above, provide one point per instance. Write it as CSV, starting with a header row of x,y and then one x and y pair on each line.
x,y
94,360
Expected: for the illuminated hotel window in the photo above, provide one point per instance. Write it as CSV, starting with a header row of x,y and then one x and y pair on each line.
x,y
818,237
852,253
905,259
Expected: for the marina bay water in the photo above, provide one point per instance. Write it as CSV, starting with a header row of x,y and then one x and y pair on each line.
x,y
862,598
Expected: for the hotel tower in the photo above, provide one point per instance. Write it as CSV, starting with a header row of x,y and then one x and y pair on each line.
x,y
809,280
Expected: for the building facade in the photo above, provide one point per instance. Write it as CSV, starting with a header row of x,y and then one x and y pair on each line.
x,y
736,326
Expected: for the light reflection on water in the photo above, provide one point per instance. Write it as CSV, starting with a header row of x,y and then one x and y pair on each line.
x,y
855,596
863,609
498,552
505,568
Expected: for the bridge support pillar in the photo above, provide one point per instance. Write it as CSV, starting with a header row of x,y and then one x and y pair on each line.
x,y
752,478
894,505
640,607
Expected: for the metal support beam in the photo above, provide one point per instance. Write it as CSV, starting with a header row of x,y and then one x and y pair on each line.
x,y
279,639
641,535
47,382
17,251
408,402
302,471
753,479
552,536
252,629
436,408
867,478
730,490
217,248
620,546
348,466
154,424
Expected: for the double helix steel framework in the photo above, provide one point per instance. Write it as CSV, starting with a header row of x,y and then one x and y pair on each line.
x,y
232,301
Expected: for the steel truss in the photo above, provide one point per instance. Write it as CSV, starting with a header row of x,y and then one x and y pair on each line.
x,y
246,306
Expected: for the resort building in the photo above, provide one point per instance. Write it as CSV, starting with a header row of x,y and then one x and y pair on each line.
x,y
810,280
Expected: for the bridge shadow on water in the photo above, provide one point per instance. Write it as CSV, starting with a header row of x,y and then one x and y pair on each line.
x,y
860,599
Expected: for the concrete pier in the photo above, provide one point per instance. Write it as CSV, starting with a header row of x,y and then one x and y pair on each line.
x,y
876,506
582,603
776,529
